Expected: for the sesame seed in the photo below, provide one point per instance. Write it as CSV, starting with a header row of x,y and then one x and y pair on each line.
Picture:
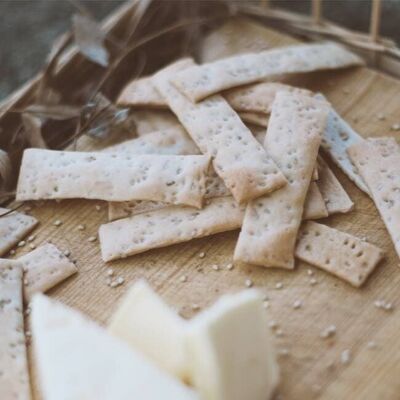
x,y
57,222
97,207
183,278
310,272
81,227
229,267
279,285
114,284
345,357
21,243
215,267
202,254
297,304
328,332
32,246
92,239
120,280
248,283
31,238
313,282
395,127
67,253
110,272
383,305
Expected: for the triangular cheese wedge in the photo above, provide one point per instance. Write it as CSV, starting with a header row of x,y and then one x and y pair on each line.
x,y
230,350
78,360
148,325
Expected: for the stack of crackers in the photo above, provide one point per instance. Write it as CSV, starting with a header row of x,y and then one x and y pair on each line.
x,y
223,145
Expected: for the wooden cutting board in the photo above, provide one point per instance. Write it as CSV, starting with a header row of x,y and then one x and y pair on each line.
x,y
312,369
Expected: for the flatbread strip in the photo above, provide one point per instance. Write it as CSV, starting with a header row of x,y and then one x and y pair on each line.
x,y
44,268
201,81
48,174
338,137
241,162
169,225
314,204
378,161
14,227
338,253
270,225
14,375
336,198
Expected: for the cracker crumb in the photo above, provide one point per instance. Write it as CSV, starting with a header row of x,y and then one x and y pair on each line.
x,y
248,283
229,267
21,243
114,284
279,332
202,254
310,272
67,253
31,238
120,280
279,285
297,304
81,227
92,238
383,305
345,357
57,222
183,278
110,272
32,246
215,267
328,332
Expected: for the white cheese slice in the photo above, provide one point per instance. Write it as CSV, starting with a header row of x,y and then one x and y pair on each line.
x,y
78,360
148,325
231,352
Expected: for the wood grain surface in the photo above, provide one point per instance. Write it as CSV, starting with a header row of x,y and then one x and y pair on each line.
x,y
313,368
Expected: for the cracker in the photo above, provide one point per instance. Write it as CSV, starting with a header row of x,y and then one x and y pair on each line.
x,y
201,81
378,161
44,268
77,359
14,227
336,252
336,198
258,98
147,121
271,223
173,141
314,205
14,375
167,226
48,174
254,118
238,158
141,93
338,137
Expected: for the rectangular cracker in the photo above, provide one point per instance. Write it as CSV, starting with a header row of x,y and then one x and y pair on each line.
x,y
49,174
258,98
141,93
336,198
378,161
14,373
167,226
241,162
271,223
336,252
44,268
254,118
314,204
13,228
173,141
338,137
201,81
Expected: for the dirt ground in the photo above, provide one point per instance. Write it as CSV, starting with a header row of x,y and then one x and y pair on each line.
x,y
28,27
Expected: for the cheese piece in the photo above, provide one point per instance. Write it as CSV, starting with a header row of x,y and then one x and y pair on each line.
x,y
148,325
78,360
230,350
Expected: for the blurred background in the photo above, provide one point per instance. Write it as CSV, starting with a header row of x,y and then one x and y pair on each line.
x,y
28,28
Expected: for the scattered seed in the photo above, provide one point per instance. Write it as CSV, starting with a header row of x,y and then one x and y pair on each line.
x,y
114,284
110,272
345,357
310,272
229,267
279,285
32,246
81,227
31,238
215,267
21,243
183,278
248,283
57,222
202,254
67,253
383,305
92,239
97,207
328,332
297,304
120,280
